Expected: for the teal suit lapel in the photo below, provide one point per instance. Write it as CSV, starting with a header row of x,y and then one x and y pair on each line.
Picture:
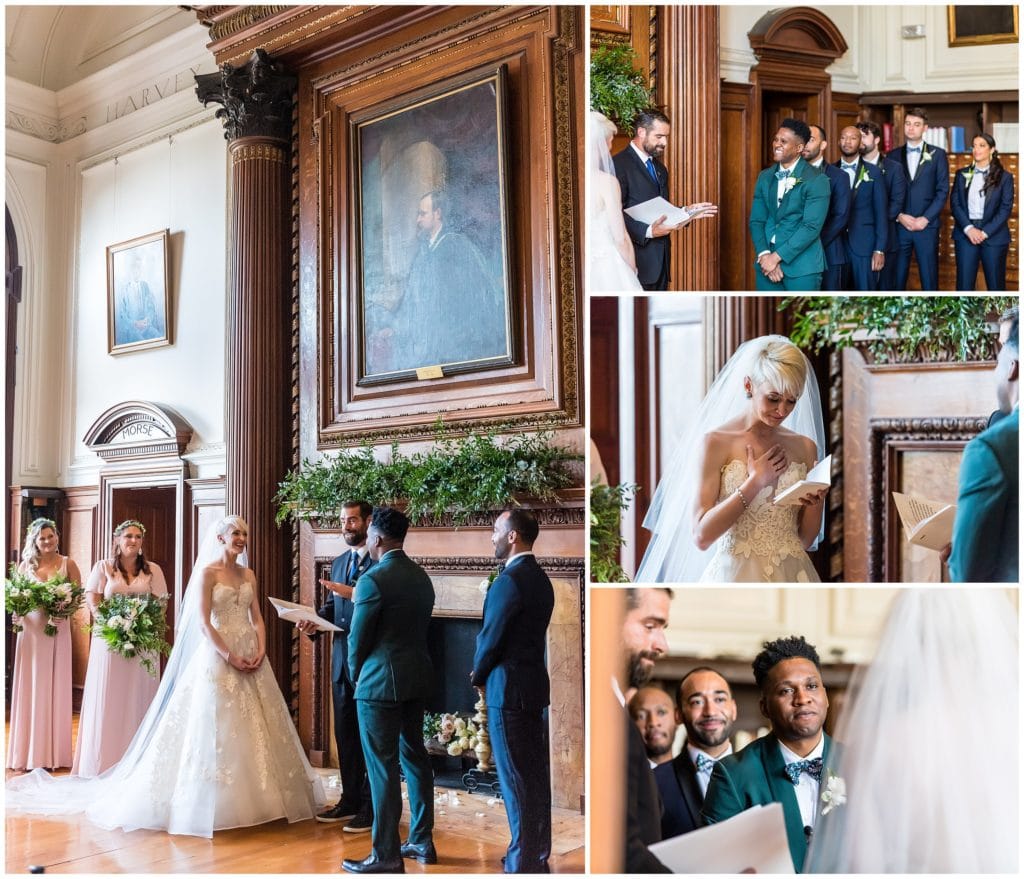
x,y
782,792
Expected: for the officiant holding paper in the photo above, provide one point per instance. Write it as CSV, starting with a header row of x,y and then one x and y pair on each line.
x,y
345,570
643,177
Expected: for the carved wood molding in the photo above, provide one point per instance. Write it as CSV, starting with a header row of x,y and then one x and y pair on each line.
x,y
138,429
887,436
782,35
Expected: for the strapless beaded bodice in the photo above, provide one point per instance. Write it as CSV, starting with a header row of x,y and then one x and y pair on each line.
x,y
229,613
764,530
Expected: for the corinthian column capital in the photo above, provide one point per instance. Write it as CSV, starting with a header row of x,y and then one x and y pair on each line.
x,y
256,99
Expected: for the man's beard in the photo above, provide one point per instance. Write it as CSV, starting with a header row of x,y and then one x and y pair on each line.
x,y
698,736
354,538
658,750
638,673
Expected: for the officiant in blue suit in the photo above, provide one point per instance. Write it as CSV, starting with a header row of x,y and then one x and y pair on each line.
x,y
509,669
986,531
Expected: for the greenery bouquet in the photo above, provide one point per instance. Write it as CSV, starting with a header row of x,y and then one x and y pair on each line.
x,y
133,627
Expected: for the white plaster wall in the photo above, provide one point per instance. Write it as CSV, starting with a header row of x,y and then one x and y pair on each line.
x,y
878,58
69,200
177,183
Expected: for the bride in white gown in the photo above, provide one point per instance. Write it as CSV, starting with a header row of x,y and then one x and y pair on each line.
x,y
928,744
217,748
611,261
758,431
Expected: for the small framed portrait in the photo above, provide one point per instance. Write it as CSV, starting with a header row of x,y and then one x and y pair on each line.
x,y
982,25
434,291
138,298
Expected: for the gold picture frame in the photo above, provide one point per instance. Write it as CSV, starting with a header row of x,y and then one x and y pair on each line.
x,y
138,294
982,25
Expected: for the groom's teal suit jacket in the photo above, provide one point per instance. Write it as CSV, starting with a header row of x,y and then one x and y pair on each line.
x,y
756,776
985,534
795,222
387,642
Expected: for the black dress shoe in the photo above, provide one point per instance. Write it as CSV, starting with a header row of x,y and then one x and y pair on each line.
x,y
373,864
362,823
423,852
337,813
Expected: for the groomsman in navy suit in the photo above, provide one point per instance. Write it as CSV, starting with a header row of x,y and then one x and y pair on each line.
x,y
509,670
867,229
895,180
836,267
927,171
345,570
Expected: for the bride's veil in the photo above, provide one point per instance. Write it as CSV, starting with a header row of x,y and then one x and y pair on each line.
x,y
927,744
41,793
672,555
598,131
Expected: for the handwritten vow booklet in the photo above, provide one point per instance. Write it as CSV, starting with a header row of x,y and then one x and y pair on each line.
x,y
752,841
927,523
295,613
819,477
655,208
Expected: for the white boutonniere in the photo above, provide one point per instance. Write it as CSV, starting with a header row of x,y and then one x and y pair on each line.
x,y
833,794
862,176
790,183
969,175
485,584
926,156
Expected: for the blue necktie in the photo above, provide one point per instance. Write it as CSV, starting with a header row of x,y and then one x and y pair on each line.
x,y
651,171
811,767
705,764
353,567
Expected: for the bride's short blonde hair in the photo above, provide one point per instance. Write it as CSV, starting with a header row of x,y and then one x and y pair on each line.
x,y
780,365
603,125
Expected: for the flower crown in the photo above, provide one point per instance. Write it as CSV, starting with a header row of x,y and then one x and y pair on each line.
x,y
129,523
41,523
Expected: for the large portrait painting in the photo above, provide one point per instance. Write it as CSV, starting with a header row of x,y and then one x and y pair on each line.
x,y
982,25
137,294
433,234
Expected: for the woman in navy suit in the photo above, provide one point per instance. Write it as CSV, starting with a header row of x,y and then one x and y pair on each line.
x,y
982,202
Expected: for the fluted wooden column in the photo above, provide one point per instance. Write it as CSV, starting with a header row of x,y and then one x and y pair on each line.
x,y
688,85
257,104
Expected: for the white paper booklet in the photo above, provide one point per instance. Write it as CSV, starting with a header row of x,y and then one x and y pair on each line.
x,y
296,613
819,477
926,523
752,841
656,208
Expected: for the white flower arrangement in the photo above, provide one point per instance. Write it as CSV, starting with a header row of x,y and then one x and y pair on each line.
x,y
833,795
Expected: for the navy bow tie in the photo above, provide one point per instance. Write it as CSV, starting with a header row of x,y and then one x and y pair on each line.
x,y
705,764
811,767
913,150
782,175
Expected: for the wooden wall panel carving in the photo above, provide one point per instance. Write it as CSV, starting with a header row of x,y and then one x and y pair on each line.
x,y
540,48
739,171
846,110
891,439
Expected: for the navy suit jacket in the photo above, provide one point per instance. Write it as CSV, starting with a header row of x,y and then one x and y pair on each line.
x,y
927,192
652,254
868,228
895,180
510,648
998,207
338,610
838,215
680,795
643,806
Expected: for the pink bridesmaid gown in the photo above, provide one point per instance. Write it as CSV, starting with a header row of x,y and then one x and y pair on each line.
x,y
117,691
41,693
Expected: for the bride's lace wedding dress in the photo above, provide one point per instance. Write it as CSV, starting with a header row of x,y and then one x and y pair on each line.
x,y
224,752
764,545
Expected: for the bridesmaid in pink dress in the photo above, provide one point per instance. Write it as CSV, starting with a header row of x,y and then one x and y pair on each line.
x,y
117,690
41,686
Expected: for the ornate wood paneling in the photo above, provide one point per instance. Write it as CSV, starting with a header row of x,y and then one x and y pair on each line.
x,y
892,439
846,110
604,378
739,171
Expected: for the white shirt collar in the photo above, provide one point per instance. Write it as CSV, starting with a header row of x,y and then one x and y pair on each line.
x,y
618,691
512,558
789,757
693,752
643,155
817,164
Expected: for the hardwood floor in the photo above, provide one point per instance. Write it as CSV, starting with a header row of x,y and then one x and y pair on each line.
x,y
470,834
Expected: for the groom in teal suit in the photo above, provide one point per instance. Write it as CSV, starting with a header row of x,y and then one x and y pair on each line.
x,y
389,662
790,206
786,766
986,531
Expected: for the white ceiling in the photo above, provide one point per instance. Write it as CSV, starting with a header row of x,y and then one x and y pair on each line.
x,y
56,46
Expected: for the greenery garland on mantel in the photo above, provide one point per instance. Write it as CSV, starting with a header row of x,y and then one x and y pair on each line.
x,y
454,477
900,329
